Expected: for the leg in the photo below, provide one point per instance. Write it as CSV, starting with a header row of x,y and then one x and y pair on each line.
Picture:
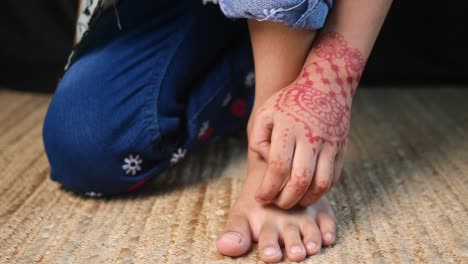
x,y
133,102
302,230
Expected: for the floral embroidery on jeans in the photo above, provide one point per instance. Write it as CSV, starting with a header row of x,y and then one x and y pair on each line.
x,y
274,14
132,164
210,1
227,99
249,80
178,155
205,131
93,194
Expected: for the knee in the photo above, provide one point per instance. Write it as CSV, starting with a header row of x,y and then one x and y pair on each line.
x,y
73,143
88,141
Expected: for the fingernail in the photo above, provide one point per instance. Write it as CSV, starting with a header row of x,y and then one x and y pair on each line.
x,y
296,250
311,245
329,236
269,251
234,237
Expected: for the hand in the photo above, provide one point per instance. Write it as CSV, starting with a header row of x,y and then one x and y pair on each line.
x,y
301,130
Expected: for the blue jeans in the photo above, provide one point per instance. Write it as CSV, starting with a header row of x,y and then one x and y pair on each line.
x,y
139,98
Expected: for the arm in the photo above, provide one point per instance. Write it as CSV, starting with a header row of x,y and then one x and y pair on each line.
x,y
306,123
279,54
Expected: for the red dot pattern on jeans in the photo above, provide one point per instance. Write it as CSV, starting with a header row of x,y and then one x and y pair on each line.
x,y
238,108
207,134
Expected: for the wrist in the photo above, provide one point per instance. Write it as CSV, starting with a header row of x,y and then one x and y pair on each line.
x,y
333,67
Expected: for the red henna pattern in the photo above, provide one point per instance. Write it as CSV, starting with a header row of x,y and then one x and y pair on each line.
x,y
321,97
332,46
315,108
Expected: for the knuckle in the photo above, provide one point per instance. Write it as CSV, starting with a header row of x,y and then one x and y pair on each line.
x,y
318,190
299,184
273,188
300,179
322,187
278,167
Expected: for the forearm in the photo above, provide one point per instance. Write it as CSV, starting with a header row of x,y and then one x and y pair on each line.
x,y
279,55
280,52
336,61
358,21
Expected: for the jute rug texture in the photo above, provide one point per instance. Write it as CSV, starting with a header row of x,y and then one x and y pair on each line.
x,y
402,197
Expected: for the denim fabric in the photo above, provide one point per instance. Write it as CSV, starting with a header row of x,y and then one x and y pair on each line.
x,y
308,14
142,96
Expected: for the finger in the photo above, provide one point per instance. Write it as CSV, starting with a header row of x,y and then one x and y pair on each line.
x,y
279,165
302,171
322,179
260,138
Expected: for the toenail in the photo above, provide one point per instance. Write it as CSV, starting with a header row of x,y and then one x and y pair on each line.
x,y
311,245
234,237
329,236
296,250
269,251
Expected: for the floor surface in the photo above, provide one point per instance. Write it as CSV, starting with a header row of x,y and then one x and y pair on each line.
x,y
402,197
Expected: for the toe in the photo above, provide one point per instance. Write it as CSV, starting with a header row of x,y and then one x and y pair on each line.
x,y
293,242
236,238
312,236
268,246
327,225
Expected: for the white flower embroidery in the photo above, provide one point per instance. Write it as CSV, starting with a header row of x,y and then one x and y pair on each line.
x,y
210,1
272,14
227,99
132,164
203,128
249,79
178,155
275,15
93,194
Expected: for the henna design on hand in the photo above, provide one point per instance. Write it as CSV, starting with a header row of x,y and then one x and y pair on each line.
x,y
321,96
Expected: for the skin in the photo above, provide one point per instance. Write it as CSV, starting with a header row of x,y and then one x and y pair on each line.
x,y
310,120
297,131
302,231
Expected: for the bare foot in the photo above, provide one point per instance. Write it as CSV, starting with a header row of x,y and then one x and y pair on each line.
x,y
302,231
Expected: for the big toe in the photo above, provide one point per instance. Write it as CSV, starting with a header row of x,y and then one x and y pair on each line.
x,y
236,238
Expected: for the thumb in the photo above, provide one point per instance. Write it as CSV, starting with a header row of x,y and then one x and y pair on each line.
x,y
260,136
